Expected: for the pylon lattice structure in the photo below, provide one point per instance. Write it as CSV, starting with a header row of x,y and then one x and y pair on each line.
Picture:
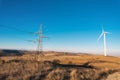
x,y
39,50
40,41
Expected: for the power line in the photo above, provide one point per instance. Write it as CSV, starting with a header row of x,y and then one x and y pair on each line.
x,y
16,29
39,34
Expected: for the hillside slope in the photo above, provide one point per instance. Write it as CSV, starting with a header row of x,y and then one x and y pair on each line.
x,y
59,66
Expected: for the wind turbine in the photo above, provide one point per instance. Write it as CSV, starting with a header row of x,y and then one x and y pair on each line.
x,y
104,39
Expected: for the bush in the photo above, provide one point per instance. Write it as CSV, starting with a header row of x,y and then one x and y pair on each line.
x,y
56,61
70,62
2,61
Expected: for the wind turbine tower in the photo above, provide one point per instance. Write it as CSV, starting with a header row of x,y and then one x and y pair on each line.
x,y
104,39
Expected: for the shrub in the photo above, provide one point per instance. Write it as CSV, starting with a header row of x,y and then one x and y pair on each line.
x,y
56,61
70,62
2,61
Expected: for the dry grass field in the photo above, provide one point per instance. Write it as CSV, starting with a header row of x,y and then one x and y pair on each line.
x,y
59,66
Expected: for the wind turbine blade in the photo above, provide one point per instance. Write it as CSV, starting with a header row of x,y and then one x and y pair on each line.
x,y
100,36
108,33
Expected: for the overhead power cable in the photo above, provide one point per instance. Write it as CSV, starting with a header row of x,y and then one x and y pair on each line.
x,y
16,29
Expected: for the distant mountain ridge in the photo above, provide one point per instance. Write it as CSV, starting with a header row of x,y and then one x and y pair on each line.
x,y
8,52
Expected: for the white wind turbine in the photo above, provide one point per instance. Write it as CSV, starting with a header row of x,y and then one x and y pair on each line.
x,y
104,39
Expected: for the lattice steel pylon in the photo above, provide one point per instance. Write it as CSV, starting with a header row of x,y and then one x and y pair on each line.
x,y
40,40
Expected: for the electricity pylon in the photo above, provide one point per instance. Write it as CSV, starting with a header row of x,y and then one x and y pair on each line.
x,y
39,41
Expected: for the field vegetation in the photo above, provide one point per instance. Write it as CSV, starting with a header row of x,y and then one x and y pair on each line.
x,y
59,66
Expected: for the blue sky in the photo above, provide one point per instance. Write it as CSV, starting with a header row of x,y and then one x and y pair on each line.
x,y
72,25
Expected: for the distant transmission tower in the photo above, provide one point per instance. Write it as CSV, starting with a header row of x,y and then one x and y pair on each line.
x,y
39,41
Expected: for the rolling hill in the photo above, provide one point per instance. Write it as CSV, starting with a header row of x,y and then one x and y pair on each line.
x,y
59,66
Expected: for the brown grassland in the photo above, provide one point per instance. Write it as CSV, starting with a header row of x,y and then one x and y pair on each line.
x,y
59,66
